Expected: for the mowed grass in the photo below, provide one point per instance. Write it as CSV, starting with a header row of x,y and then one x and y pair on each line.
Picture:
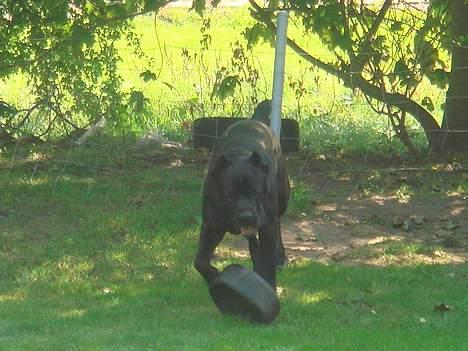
x,y
96,253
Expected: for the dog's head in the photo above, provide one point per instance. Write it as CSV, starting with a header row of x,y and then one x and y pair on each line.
x,y
242,185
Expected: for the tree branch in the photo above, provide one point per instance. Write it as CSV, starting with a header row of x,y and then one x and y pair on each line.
x,y
136,14
355,80
366,42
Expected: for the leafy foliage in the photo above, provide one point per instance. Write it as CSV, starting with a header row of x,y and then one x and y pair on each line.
x,y
386,50
67,50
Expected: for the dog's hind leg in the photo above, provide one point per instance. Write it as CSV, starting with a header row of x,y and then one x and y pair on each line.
x,y
281,258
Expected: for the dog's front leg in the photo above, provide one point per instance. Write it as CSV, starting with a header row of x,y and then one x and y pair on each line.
x,y
267,253
210,237
253,250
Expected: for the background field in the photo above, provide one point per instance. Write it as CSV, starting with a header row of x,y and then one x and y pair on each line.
x,y
333,119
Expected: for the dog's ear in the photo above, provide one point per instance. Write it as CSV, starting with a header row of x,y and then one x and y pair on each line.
x,y
259,161
262,112
220,164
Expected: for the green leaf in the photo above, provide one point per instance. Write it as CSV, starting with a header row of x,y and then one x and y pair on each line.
x,y
147,76
80,36
56,11
116,11
404,73
199,6
215,3
132,6
400,69
226,87
342,41
258,32
428,104
6,110
153,4
95,8
6,70
427,55
396,26
439,78
379,41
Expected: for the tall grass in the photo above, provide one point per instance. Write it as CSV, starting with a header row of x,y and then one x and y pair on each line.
x,y
332,118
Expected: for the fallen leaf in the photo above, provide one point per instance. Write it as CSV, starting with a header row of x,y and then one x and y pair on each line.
x,y
451,242
442,233
305,237
442,308
418,220
351,222
452,226
438,253
408,225
398,221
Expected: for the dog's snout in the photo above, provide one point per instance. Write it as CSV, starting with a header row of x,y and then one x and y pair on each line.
x,y
247,218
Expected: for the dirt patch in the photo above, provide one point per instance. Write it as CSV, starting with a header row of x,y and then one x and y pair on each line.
x,y
343,225
376,231
380,231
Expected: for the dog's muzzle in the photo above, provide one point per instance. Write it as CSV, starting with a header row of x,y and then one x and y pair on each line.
x,y
248,231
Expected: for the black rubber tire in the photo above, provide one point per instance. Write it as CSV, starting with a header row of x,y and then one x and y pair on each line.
x,y
242,292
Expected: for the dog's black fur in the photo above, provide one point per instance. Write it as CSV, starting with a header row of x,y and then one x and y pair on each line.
x,y
245,191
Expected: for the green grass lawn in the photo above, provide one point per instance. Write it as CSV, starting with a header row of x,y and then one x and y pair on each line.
x,y
96,253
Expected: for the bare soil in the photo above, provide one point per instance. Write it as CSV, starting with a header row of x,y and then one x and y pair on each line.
x,y
347,224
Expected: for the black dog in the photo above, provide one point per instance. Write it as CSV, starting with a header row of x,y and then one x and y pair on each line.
x,y
245,191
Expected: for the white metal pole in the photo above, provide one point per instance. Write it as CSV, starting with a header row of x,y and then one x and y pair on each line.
x,y
278,75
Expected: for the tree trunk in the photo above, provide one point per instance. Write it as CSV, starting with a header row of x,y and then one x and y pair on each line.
x,y
456,106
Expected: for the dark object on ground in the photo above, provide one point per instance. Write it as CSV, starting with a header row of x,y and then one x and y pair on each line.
x,y
246,191
242,292
206,131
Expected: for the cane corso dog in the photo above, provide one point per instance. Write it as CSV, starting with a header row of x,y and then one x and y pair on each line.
x,y
245,192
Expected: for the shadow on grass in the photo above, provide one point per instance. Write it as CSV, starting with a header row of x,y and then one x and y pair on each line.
x,y
106,264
